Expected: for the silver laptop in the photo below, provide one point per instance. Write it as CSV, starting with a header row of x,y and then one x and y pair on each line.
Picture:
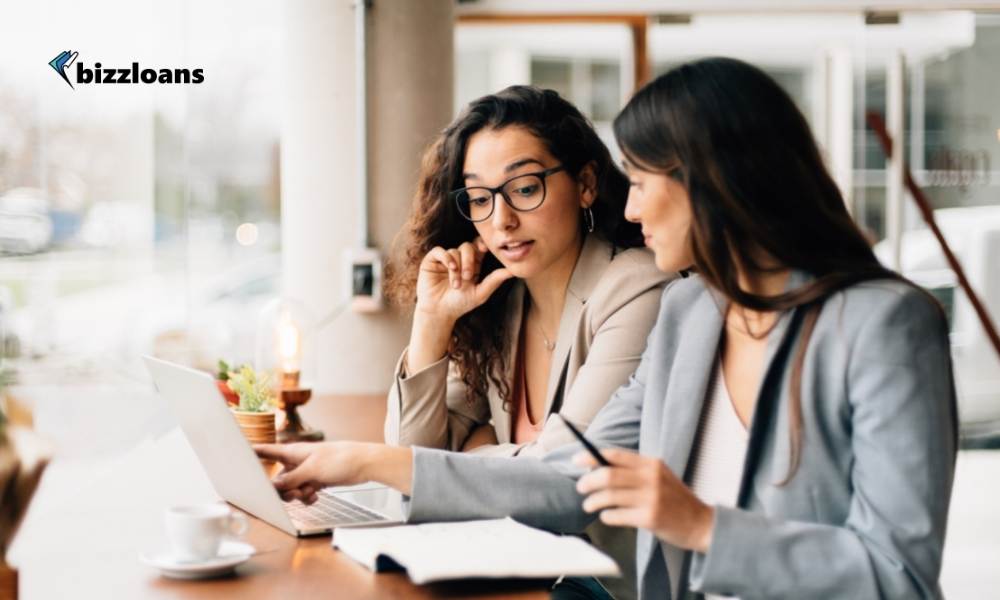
x,y
236,472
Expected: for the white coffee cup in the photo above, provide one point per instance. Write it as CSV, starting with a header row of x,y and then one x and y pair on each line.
x,y
195,532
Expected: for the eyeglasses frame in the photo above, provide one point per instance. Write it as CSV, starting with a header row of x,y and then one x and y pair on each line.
x,y
542,175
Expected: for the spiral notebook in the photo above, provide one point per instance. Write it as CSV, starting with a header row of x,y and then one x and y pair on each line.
x,y
496,548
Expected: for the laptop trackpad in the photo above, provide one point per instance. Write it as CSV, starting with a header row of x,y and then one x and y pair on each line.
x,y
379,498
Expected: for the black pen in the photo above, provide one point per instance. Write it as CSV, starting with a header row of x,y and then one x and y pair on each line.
x,y
586,443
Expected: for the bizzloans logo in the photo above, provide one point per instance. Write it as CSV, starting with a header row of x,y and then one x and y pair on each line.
x,y
99,75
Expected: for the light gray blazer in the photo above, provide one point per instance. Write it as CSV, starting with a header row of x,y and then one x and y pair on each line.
x,y
865,514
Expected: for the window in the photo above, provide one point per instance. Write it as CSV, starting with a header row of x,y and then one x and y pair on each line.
x,y
120,204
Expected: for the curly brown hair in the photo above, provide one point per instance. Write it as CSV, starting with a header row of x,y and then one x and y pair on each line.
x,y
479,337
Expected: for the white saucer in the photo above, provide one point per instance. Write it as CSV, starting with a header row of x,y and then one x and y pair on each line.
x,y
231,555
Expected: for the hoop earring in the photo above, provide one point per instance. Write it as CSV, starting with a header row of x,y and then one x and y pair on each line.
x,y
588,219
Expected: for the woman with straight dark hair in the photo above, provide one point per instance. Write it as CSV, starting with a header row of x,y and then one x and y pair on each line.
x,y
791,429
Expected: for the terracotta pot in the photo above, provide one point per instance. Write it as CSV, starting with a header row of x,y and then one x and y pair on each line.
x,y
231,397
258,428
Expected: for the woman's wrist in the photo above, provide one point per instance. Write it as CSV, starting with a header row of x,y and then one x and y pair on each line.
x,y
704,528
388,465
369,459
430,322
429,339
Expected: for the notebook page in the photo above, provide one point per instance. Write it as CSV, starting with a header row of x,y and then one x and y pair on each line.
x,y
489,548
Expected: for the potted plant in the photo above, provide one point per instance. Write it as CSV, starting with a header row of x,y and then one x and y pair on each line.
x,y
222,382
256,409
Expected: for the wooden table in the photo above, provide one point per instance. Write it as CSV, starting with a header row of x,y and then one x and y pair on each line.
x,y
89,522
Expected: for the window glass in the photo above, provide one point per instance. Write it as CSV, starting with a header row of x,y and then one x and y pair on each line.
x,y
134,218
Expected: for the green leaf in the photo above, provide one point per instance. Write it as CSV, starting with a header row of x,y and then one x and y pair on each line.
x,y
253,389
222,371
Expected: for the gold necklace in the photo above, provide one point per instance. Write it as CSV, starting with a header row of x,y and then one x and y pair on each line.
x,y
550,346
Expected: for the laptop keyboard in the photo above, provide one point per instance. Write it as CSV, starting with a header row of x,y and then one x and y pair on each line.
x,y
330,511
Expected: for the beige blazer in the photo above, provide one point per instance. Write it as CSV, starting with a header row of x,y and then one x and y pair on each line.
x,y
611,305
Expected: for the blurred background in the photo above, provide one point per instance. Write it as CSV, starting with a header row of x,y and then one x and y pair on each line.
x,y
160,219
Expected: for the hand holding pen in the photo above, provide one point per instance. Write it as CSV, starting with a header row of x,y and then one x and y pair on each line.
x,y
631,490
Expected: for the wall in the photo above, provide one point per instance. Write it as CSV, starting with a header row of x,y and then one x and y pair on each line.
x,y
410,85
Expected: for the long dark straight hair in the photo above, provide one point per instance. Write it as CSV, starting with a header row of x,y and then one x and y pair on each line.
x,y
757,185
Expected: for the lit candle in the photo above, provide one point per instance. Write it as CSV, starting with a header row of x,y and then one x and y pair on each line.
x,y
289,349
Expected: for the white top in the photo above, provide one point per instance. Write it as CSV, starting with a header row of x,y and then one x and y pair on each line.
x,y
716,462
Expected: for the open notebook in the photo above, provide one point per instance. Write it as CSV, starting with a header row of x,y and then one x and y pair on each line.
x,y
491,549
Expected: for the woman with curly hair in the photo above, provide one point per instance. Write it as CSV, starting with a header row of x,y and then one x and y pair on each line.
x,y
533,294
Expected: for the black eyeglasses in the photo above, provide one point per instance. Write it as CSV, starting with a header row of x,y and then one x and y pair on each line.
x,y
522,193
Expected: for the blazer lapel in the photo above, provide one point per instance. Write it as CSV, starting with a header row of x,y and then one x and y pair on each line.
x,y
689,377
515,308
595,255
780,343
